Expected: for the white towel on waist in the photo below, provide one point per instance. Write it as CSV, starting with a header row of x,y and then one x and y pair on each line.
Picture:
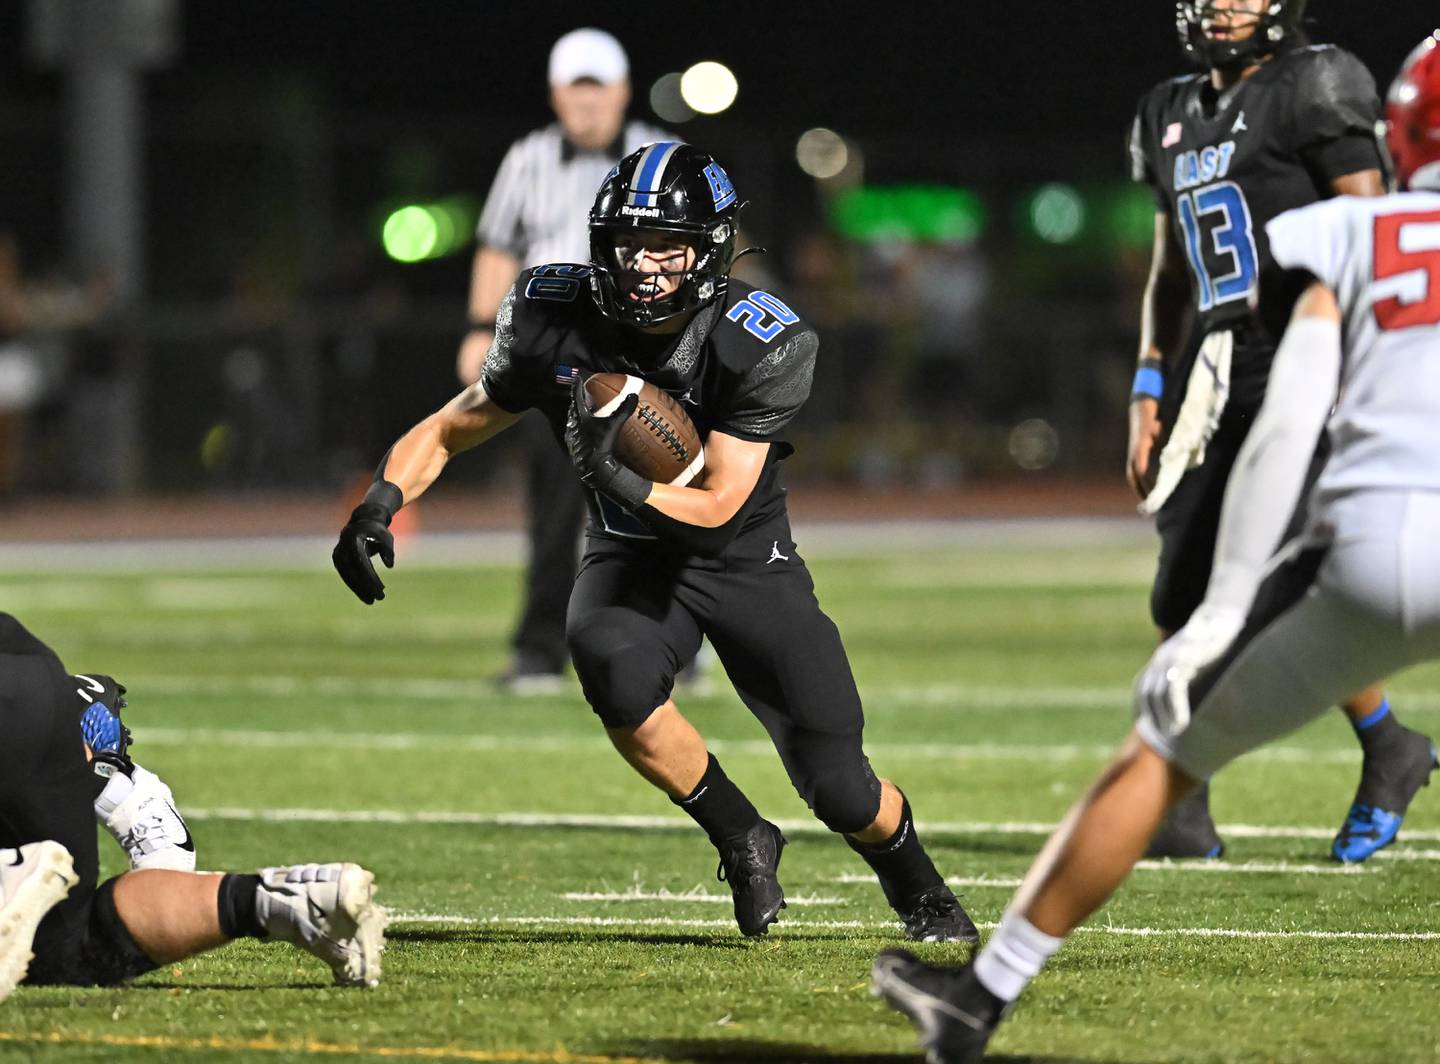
x,y
1206,392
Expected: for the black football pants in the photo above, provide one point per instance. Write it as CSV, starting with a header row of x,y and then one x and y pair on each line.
x,y
47,791
637,616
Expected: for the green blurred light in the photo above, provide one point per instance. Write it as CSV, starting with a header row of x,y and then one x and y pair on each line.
x,y
410,233
419,231
1130,215
1057,213
217,446
909,212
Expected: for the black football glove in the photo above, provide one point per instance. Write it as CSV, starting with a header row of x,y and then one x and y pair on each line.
x,y
100,699
366,533
591,438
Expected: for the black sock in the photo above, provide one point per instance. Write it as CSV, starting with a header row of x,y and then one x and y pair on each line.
x,y
904,868
1377,730
718,806
236,902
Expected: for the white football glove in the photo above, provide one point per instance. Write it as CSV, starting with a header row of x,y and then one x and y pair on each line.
x,y
1162,691
138,810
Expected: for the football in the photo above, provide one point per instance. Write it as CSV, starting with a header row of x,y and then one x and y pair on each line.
x,y
659,442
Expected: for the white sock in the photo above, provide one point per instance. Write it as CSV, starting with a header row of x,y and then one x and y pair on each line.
x,y
117,789
1014,955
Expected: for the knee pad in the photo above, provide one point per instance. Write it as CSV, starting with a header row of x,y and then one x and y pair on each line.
x,y
624,677
111,953
838,785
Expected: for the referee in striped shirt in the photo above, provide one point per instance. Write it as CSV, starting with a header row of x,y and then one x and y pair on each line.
x,y
537,212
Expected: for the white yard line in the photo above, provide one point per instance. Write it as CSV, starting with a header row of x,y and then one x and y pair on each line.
x,y
621,822
957,696
1412,855
954,881
686,896
242,738
887,927
1185,867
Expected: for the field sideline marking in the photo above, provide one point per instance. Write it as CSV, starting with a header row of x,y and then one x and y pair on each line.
x,y
621,822
869,925
549,744
272,1045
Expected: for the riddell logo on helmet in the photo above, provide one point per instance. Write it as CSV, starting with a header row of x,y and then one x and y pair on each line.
x,y
641,212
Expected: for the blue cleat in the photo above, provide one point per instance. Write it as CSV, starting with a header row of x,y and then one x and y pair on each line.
x,y
1385,793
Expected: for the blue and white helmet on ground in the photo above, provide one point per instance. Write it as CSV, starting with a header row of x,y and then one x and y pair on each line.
x,y
674,188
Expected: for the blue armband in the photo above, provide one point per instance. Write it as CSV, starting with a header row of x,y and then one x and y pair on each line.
x,y
1149,382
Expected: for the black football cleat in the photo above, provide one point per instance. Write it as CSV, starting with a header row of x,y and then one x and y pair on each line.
x,y
1188,830
749,865
937,916
1387,786
953,1014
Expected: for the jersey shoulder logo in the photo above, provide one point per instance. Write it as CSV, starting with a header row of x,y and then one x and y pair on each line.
x,y
1240,126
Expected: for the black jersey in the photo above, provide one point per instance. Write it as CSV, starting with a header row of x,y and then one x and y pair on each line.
x,y
742,366
1223,164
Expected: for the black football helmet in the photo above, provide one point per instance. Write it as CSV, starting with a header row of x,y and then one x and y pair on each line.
x,y
1278,24
673,188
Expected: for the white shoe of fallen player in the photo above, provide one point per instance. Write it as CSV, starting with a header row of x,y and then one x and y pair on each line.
x,y
138,810
328,910
33,880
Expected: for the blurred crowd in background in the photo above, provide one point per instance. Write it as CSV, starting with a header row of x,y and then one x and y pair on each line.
x,y
296,289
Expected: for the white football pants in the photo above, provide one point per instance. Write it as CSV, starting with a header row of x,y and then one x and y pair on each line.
x,y
1319,633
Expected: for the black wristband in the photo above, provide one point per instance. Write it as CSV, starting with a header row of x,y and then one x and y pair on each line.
x,y
384,496
621,483
478,325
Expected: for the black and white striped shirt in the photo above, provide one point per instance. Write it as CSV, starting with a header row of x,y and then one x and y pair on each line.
x,y
540,202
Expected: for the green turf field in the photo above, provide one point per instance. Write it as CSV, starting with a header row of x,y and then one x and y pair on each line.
x,y
532,923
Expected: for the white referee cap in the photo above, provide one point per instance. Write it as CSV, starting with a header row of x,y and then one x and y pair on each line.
x,y
588,53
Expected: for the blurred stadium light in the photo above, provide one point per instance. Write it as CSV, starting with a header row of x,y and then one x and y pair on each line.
x,y
1034,444
822,153
709,87
1056,213
667,101
420,231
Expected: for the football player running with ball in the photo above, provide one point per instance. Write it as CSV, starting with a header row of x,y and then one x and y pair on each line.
x,y
1356,598
664,565
1274,124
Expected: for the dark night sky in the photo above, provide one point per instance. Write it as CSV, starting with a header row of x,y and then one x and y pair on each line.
x,y
995,93
977,66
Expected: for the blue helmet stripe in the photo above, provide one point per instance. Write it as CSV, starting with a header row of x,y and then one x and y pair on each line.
x,y
649,170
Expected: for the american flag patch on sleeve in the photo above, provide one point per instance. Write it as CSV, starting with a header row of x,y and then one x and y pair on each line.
x,y
566,375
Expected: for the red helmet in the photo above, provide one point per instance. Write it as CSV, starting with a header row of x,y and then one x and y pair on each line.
x,y
1412,110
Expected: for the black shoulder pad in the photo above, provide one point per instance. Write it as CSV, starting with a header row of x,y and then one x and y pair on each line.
x,y
1327,78
546,296
555,283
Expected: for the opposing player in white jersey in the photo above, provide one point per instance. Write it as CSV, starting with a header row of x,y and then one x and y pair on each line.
x,y
1277,639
